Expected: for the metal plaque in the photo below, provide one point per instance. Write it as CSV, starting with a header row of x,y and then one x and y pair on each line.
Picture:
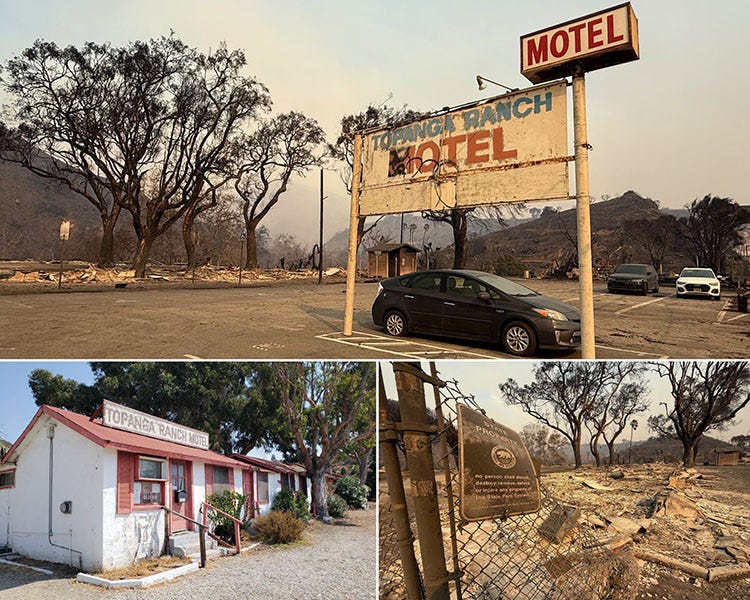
x,y
497,476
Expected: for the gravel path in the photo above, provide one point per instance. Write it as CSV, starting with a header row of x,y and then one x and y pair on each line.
x,y
334,561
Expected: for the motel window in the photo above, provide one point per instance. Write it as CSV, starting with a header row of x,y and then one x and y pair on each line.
x,y
148,488
7,479
262,487
221,480
150,468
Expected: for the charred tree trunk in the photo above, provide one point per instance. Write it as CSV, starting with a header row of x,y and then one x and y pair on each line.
x,y
106,248
611,449
142,254
187,237
688,455
458,224
251,258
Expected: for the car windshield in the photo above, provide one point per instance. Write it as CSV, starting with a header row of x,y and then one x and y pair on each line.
x,y
698,273
511,288
638,269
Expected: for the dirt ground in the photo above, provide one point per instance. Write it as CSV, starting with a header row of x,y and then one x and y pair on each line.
x,y
280,314
711,529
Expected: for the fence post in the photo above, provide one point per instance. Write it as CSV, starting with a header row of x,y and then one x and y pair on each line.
x,y
389,456
410,381
445,454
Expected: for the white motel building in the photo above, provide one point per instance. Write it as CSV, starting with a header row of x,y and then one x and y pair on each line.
x,y
91,491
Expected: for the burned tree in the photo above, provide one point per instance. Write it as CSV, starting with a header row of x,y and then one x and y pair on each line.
x,y
706,395
343,148
142,128
621,394
282,147
711,230
564,395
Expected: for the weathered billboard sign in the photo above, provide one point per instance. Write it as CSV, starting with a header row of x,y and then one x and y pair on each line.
x,y
497,476
509,148
128,419
598,40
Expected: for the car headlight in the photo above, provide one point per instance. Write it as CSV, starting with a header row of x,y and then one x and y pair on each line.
x,y
551,314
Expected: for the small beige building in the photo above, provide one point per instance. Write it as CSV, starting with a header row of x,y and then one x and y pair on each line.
x,y
390,260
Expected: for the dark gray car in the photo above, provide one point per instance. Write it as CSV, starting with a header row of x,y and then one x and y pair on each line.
x,y
633,278
477,306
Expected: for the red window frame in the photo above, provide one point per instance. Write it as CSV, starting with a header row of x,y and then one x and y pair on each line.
x,y
12,485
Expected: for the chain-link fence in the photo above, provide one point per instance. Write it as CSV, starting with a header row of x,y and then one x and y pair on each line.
x,y
543,555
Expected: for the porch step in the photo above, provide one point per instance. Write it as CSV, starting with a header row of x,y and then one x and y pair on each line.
x,y
187,545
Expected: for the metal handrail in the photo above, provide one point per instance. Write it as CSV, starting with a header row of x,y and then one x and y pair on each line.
x,y
235,521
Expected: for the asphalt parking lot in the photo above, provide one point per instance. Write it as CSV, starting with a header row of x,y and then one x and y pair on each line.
x,y
304,320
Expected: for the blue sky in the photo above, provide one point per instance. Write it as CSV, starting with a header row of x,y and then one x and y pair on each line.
x,y
671,126
16,401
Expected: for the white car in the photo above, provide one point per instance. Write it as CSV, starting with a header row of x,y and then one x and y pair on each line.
x,y
698,281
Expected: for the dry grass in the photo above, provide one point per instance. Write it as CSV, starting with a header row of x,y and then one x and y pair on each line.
x,y
143,568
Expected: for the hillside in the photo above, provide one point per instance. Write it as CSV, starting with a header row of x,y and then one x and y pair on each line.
x,y
548,242
31,210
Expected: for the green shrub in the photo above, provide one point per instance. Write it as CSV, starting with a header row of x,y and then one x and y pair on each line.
x,y
283,500
287,500
302,507
279,527
336,506
352,491
231,503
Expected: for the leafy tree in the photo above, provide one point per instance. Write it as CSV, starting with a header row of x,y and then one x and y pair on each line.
x,y
563,396
222,398
544,444
56,390
711,230
706,396
284,146
743,441
321,402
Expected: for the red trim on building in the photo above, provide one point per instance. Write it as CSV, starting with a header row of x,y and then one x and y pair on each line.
x,y
124,483
107,437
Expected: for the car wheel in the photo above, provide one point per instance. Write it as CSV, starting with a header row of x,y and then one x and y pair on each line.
x,y
519,338
395,323
644,288
656,289
610,290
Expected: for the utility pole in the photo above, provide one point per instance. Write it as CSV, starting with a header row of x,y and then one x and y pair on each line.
x,y
320,242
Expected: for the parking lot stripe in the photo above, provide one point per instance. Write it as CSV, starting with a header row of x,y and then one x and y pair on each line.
x,y
191,357
574,298
723,311
16,303
647,302
660,356
735,318
377,343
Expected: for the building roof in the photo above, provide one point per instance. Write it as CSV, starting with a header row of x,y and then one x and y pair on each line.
x,y
262,463
107,437
392,247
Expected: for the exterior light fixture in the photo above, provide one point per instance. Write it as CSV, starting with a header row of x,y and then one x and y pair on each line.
x,y
481,84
